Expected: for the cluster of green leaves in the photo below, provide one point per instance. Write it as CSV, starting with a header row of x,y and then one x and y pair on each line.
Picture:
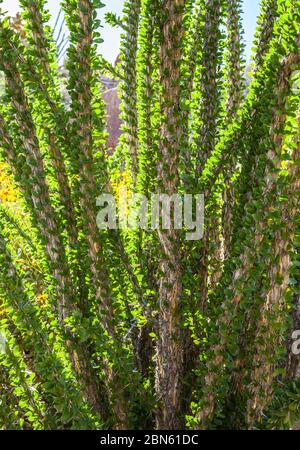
x,y
131,328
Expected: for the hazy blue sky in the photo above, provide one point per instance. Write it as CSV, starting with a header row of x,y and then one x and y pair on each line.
x,y
111,36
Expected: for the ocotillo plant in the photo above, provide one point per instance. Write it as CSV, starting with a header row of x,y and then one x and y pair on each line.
x,y
107,322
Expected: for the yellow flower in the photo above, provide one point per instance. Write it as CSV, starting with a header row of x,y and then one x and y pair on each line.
x,y
122,189
8,193
3,311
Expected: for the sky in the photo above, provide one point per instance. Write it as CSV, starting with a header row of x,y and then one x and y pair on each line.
x,y
111,36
